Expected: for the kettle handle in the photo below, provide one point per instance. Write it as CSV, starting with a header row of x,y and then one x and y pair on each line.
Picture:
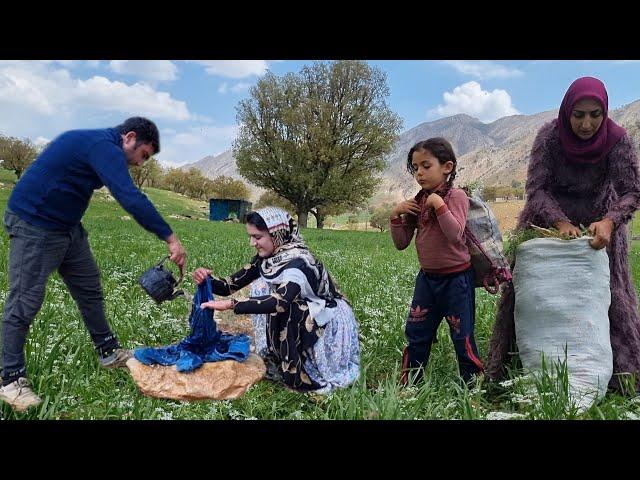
x,y
181,273
176,293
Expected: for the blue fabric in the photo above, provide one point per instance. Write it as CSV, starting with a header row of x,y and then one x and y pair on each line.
x,y
55,190
205,344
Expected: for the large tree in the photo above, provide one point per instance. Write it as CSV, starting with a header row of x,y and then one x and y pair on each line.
x,y
317,138
17,154
272,199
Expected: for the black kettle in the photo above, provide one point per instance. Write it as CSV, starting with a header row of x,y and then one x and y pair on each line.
x,y
160,284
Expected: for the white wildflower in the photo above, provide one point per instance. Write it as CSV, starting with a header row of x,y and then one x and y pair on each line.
x,y
504,416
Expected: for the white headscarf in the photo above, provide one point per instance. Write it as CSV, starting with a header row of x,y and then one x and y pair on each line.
x,y
291,252
282,228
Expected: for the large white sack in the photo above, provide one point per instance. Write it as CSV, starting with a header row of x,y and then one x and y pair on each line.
x,y
562,298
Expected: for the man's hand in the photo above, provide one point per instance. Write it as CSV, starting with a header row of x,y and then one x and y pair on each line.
x,y
200,275
601,232
219,305
567,229
177,253
408,206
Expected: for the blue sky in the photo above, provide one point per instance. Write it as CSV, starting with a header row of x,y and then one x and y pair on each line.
x,y
193,102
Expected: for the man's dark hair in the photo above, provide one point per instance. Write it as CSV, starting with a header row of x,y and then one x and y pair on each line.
x,y
146,131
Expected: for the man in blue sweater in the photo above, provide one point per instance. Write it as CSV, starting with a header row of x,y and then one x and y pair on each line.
x,y
43,220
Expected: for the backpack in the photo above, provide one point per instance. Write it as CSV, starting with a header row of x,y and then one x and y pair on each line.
x,y
484,240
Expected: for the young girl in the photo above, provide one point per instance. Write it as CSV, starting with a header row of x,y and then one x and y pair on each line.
x,y
304,328
445,285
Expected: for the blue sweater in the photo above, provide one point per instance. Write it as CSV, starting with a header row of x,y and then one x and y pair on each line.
x,y
54,192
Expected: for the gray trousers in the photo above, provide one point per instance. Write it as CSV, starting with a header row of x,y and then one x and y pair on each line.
x,y
34,253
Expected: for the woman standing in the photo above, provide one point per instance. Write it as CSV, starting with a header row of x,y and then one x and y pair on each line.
x,y
583,170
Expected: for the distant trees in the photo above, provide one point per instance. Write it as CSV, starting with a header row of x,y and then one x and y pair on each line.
x,y
17,154
194,184
380,217
227,187
491,192
150,172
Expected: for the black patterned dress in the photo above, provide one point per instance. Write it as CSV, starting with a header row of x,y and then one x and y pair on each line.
x,y
291,332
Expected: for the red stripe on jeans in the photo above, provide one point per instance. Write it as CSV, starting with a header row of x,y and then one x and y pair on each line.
x,y
404,377
471,355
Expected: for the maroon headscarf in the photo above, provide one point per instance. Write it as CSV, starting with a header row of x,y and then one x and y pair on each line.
x,y
597,147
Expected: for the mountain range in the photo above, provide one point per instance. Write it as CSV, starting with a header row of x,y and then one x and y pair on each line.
x,y
494,153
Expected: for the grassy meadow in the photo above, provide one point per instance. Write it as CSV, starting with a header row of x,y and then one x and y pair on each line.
x,y
377,279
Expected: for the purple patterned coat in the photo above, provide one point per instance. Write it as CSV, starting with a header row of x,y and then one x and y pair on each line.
x,y
582,194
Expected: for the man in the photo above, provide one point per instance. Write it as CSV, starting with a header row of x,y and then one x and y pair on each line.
x,y
43,220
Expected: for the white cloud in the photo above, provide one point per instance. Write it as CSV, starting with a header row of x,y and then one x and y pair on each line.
x,y
469,98
237,88
41,141
169,164
158,70
37,88
40,100
240,87
32,89
213,132
187,139
484,69
139,99
196,143
196,117
234,68
93,63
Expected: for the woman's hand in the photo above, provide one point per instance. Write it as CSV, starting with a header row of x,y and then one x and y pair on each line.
x,y
218,305
408,206
601,232
434,201
568,229
200,275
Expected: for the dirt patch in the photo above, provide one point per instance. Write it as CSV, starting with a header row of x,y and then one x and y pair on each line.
x,y
507,213
229,322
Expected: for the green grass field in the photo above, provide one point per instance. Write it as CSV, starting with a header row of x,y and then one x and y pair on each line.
x,y
376,278
7,176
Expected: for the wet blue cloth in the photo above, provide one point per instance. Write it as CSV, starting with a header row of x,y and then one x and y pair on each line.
x,y
205,344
